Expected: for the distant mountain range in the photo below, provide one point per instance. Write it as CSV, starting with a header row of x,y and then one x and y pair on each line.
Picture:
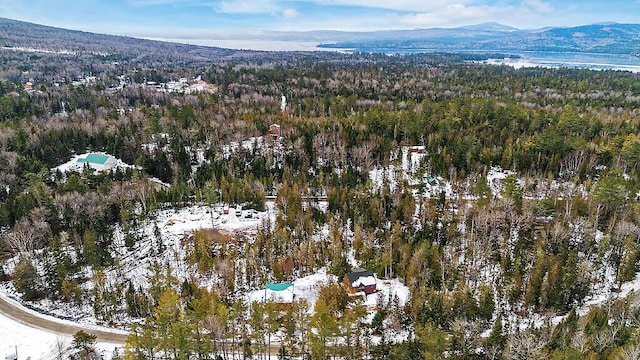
x,y
623,39
609,38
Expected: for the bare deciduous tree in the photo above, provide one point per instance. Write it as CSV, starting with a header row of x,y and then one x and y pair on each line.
x,y
603,339
61,348
570,165
580,342
630,352
28,235
524,345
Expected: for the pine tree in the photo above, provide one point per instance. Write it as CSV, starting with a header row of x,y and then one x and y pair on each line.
x,y
496,337
627,268
324,322
563,332
433,341
27,280
486,303
84,343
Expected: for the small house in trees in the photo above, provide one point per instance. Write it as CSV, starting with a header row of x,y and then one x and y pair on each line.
x,y
361,280
280,293
274,130
417,149
97,162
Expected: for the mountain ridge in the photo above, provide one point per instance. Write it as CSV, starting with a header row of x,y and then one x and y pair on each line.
x,y
611,38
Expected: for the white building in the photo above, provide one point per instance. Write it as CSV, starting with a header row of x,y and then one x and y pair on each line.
x,y
95,161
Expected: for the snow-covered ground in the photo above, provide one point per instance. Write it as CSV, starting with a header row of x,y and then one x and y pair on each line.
x,y
308,288
29,342
409,169
495,176
75,165
173,225
249,144
387,291
304,288
40,344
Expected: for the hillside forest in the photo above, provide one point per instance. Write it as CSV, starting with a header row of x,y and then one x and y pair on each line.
x,y
533,265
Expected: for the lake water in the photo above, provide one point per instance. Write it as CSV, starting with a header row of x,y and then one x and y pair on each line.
x,y
573,60
591,61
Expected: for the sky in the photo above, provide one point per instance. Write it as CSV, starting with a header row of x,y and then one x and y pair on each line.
x,y
230,18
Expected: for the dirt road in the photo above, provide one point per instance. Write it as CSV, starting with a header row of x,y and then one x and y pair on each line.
x,y
22,316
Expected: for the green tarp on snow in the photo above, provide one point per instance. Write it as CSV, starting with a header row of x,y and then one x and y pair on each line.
x,y
278,287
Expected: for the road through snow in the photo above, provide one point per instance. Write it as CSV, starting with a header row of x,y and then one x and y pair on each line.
x,y
17,313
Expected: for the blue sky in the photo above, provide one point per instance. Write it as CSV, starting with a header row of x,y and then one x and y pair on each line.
x,y
195,18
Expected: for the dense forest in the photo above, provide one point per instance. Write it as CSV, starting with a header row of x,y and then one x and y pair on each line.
x,y
491,275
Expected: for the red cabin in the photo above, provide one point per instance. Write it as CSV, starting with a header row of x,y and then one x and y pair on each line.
x,y
362,280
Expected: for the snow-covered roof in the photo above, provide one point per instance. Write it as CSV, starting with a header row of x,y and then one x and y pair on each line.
x,y
364,281
361,276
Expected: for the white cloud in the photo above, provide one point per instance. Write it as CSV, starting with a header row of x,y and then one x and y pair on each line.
x,y
340,22
248,7
273,7
421,6
141,3
539,6
451,15
290,13
526,14
399,5
331,14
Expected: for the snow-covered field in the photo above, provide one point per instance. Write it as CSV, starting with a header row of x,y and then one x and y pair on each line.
x,y
30,342
39,344
173,225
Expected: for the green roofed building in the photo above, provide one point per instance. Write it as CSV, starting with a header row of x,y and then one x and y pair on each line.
x,y
99,159
98,162
278,287
279,293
